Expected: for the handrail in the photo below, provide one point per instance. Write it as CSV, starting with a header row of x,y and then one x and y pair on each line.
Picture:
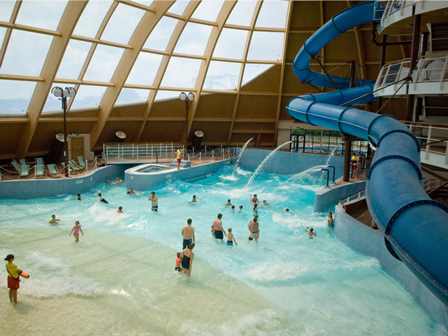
x,y
353,197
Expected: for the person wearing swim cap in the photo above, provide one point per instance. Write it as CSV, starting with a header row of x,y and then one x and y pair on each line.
x,y
13,278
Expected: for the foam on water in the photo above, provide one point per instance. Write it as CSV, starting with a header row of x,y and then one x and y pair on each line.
x,y
269,272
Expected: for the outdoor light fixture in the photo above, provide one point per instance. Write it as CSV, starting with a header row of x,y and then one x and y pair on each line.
x,y
63,94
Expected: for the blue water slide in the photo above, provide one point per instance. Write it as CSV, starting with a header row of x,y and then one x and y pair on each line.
x,y
415,227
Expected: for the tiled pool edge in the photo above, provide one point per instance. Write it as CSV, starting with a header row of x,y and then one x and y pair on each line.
x,y
29,188
142,181
370,242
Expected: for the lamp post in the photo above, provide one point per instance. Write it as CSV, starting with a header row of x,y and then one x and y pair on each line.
x,y
186,97
63,94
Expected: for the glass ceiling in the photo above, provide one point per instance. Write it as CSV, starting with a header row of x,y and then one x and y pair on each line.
x,y
170,59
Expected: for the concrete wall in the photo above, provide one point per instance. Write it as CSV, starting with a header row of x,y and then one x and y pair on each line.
x,y
287,162
371,242
30,188
142,181
326,198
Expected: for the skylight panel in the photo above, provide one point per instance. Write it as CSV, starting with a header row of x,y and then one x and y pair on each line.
x,y
2,34
21,47
252,71
231,43
178,7
41,14
132,96
161,34
166,95
6,8
122,24
15,97
91,18
266,46
103,63
222,76
146,3
144,69
242,13
208,10
273,14
181,72
194,39
73,60
88,97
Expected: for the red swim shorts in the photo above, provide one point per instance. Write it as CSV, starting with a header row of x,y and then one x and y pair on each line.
x,y
13,283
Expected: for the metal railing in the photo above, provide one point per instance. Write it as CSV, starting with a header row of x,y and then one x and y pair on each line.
x,y
162,152
433,139
428,70
353,198
394,6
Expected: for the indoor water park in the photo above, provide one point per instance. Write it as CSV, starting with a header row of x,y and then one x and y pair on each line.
x,y
224,167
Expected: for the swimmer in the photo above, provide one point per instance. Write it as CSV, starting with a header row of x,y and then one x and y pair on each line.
x,y
230,238
130,191
13,279
254,199
120,210
311,233
233,208
217,229
154,202
178,262
101,199
228,203
78,197
53,220
194,199
76,229
187,259
254,229
188,234
240,208
330,219
287,210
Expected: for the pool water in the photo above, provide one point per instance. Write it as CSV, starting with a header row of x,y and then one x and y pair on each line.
x,y
119,279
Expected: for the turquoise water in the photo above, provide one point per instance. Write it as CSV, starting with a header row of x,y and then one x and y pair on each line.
x,y
299,286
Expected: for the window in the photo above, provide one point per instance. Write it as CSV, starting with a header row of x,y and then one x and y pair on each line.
x,y
103,63
23,44
15,97
132,96
242,13
208,10
144,69
231,43
73,60
6,8
166,95
91,18
266,46
222,76
146,3
42,14
273,14
2,35
178,7
252,71
88,97
194,39
161,34
181,72
122,24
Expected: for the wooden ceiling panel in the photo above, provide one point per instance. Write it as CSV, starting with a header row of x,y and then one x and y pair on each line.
x,y
257,107
158,131
214,131
129,127
134,110
9,138
305,15
216,105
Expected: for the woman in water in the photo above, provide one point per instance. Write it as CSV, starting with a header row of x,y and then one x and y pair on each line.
x,y
76,229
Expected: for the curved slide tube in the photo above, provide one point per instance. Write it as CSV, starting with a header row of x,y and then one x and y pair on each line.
x,y
415,227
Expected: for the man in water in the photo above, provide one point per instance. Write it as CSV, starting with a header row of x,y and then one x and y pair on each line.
x,y
217,229
102,199
78,197
188,234
254,229
178,158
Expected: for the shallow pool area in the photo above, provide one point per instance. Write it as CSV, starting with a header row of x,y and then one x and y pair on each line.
x,y
120,279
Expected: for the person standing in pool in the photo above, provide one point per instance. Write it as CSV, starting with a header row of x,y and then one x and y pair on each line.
x,y
230,238
178,158
187,259
76,230
53,220
254,199
154,202
13,278
330,219
78,197
217,229
188,234
120,210
254,229
194,199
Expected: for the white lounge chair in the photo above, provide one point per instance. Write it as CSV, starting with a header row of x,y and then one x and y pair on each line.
x,y
39,169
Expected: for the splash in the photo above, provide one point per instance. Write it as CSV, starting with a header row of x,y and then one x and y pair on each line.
x,y
237,163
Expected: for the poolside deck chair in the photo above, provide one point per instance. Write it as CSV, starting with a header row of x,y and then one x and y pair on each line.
x,y
39,168
52,169
74,166
82,163
23,169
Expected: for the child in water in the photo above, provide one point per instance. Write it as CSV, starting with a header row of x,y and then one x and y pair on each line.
x,y
178,262
76,229
311,233
154,202
230,238
194,199
53,220
120,210
228,203
13,278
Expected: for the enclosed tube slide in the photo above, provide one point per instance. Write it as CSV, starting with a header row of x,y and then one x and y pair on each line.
x,y
415,227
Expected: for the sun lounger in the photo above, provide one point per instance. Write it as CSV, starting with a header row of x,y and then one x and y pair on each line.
x,y
52,169
74,166
39,169
23,169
